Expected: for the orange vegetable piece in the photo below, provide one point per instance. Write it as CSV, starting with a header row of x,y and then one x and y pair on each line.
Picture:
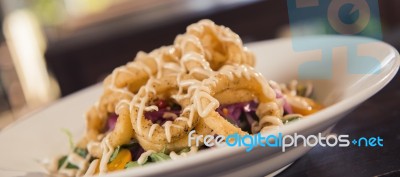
x,y
302,105
124,156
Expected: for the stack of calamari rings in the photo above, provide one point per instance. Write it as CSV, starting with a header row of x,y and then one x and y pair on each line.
x,y
201,71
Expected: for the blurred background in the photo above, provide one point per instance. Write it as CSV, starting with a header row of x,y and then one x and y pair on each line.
x,y
52,48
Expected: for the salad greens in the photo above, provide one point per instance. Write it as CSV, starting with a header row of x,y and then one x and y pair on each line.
x,y
114,154
69,135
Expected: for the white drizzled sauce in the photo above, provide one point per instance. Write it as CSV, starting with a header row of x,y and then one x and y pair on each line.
x,y
160,64
74,159
167,126
266,123
188,38
249,72
183,119
298,102
152,129
151,108
171,115
203,91
193,150
141,108
144,156
119,105
172,66
107,152
223,34
114,74
205,110
199,59
141,66
266,108
189,85
271,119
92,168
93,146
191,115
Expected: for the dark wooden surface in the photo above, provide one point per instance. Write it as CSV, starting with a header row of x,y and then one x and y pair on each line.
x,y
378,116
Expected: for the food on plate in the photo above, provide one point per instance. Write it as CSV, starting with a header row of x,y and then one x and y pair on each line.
x,y
204,81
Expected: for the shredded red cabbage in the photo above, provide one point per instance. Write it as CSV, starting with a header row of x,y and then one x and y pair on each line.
x,y
278,93
111,121
136,150
157,116
163,107
286,107
240,114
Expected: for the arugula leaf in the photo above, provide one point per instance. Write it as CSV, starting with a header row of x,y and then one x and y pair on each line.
x,y
69,135
154,157
157,157
186,150
129,145
291,120
81,152
62,160
132,164
145,160
114,154
163,151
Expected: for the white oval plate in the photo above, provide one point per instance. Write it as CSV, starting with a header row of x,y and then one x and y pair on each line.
x,y
39,135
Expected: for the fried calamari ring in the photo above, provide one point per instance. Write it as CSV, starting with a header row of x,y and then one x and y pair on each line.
x,y
221,45
135,74
170,130
123,131
121,134
233,79
193,56
124,82
96,119
193,51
